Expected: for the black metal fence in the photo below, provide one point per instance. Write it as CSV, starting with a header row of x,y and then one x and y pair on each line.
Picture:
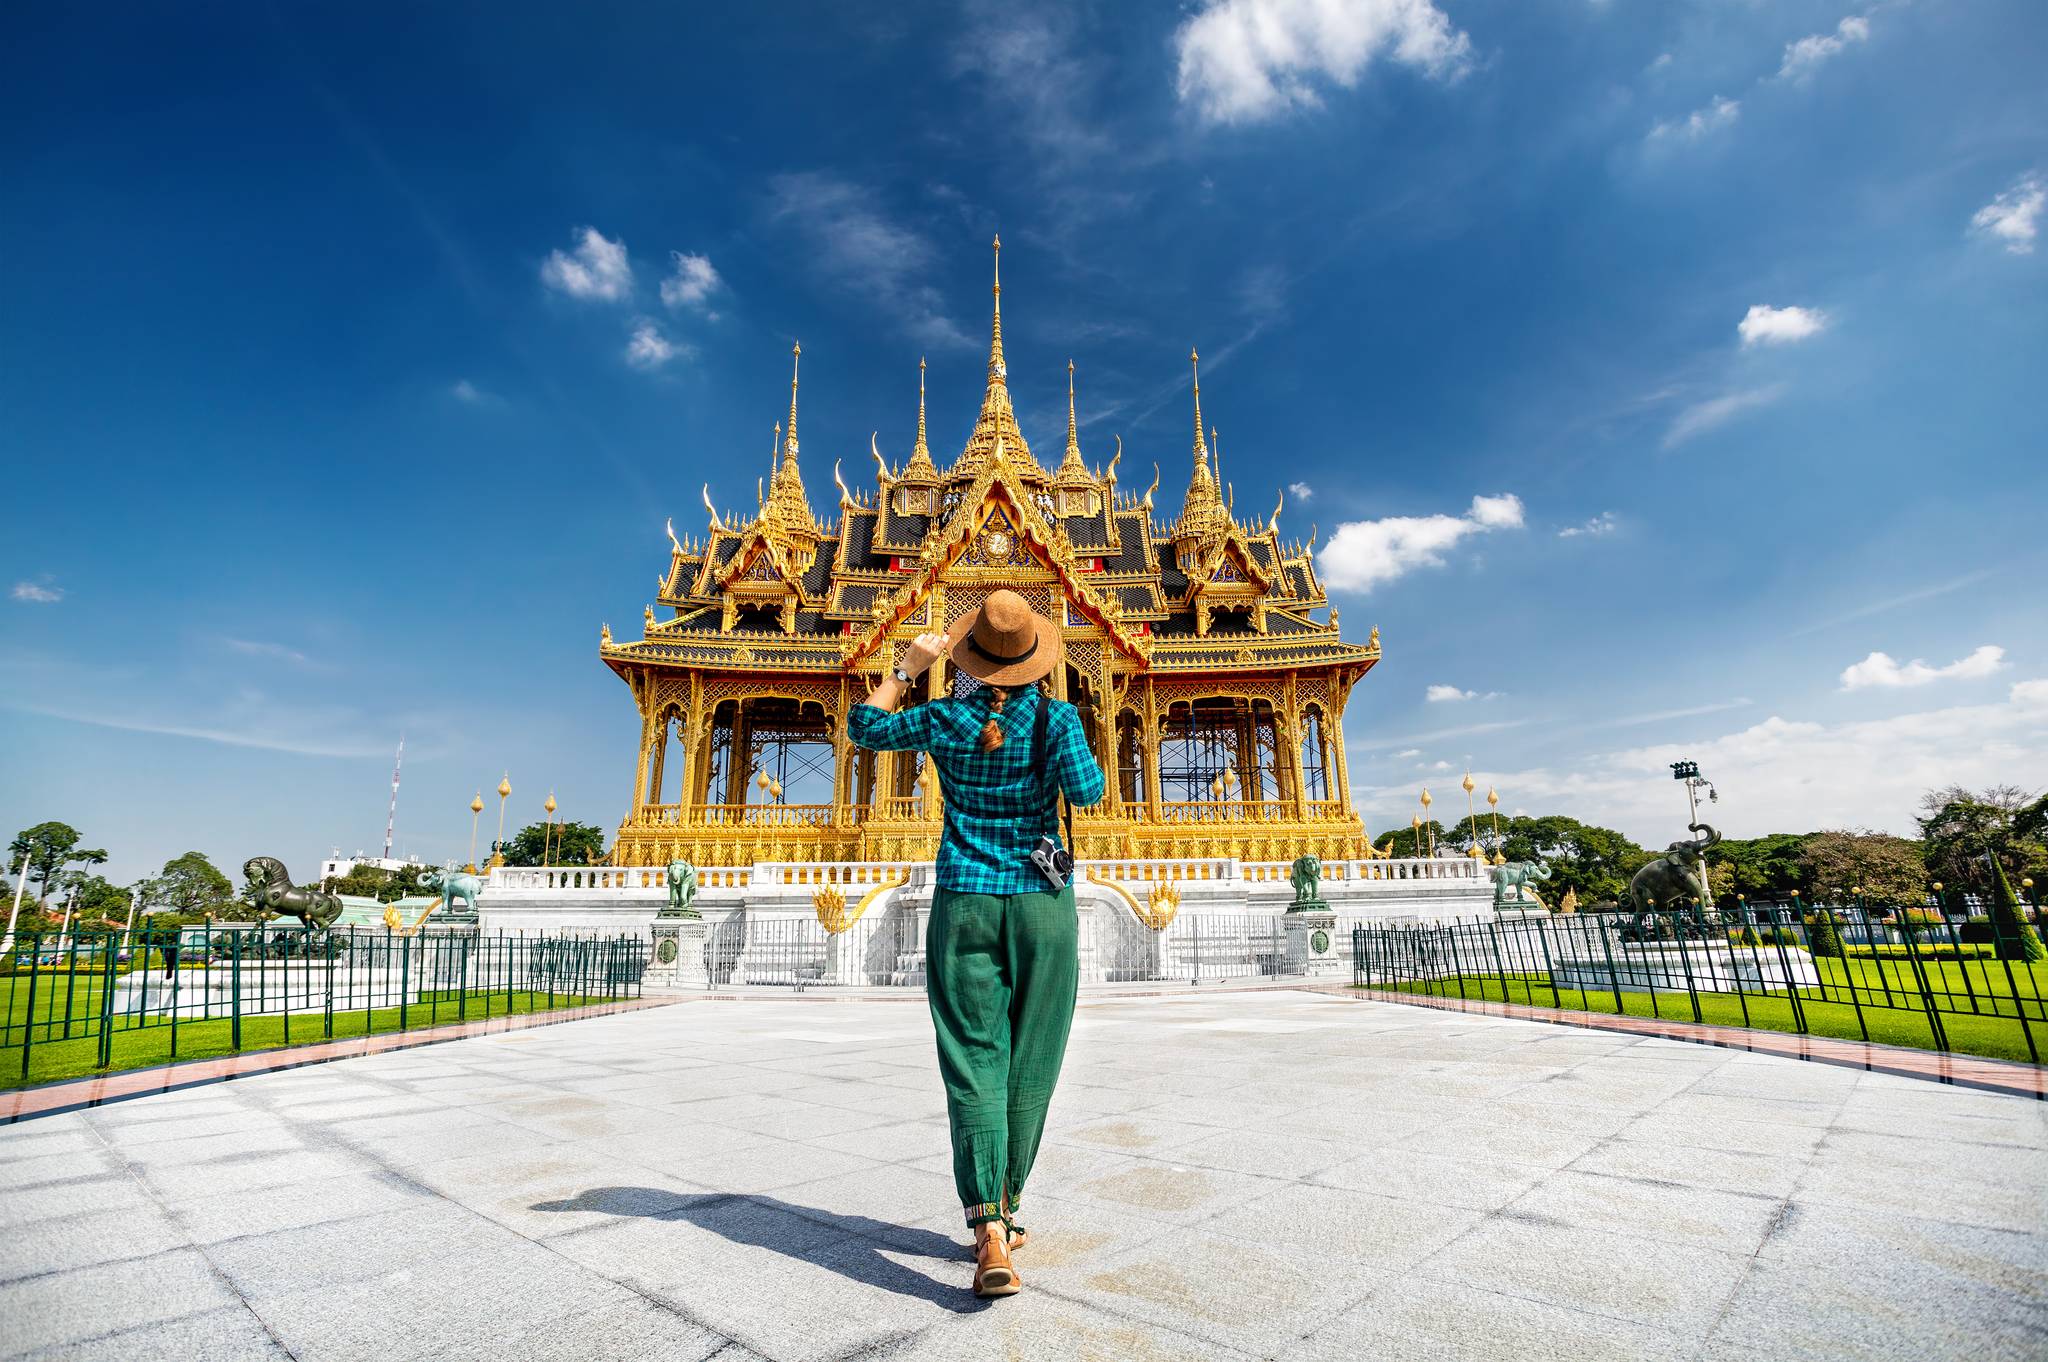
x,y
154,994
1928,982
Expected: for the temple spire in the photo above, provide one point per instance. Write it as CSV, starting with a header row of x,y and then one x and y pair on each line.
x,y
1201,450
1072,470
996,419
1203,511
796,354
920,468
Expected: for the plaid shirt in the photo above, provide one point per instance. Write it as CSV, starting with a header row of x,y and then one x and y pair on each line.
x,y
996,803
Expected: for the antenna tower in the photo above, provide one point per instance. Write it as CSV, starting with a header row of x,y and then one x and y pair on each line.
x,y
391,818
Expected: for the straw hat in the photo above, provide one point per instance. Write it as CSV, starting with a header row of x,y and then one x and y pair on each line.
x,y
1005,642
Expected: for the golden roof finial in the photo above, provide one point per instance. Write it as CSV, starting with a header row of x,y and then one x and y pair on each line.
x,y
920,468
796,354
1201,450
996,416
1072,469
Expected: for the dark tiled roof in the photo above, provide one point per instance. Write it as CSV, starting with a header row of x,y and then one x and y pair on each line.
x,y
1172,580
818,580
1277,623
726,549
1297,582
859,534
1087,531
1262,553
1139,599
855,598
1176,626
1130,555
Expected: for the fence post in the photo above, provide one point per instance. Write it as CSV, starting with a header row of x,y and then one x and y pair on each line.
x,y
1678,926
1549,966
1926,994
235,1003
106,1056
2019,1007
1962,965
404,978
1500,964
1847,973
28,1026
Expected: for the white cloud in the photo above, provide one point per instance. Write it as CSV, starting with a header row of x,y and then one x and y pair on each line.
x,y
693,281
1666,715
1701,417
1883,671
1604,523
37,592
1408,752
859,246
598,268
466,391
648,348
1766,325
2014,216
1301,491
1662,63
1804,57
1699,122
1437,695
1782,774
1242,61
1365,553
250,647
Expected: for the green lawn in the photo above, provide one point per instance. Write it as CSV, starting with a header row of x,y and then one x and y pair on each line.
x,y
1998,1036
52,1057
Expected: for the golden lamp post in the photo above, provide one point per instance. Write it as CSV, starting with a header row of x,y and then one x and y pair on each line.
x,y
1426,802
1415,822
476,807
504,793
1472,818
1500,855
548,837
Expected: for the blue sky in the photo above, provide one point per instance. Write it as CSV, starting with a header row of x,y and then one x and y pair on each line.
x,y
354,359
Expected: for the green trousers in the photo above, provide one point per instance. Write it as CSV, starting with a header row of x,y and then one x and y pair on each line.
x,y
1002,970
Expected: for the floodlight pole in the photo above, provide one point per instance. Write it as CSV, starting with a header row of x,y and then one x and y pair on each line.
x,y
20,884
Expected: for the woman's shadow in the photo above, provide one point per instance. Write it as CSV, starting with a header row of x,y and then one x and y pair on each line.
x,y
764,1222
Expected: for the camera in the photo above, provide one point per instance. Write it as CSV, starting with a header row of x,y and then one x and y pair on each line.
x,y
1054,861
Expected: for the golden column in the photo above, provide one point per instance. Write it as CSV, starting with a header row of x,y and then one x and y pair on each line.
x,y
548,837
476,808
1426,802
1500,854
504,793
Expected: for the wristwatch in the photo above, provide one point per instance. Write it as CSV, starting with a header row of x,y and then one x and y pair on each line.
x,y
901,675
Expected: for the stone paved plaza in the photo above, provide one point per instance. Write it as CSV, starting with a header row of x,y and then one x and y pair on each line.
x,y
1276,1174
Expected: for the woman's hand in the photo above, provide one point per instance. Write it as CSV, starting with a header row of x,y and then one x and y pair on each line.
x,y
924,650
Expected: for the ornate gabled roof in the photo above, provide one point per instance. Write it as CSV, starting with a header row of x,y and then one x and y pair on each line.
x,y
997,421
1000,487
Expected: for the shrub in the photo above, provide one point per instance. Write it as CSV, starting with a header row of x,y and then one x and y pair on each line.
x,y
2015,939
1822,937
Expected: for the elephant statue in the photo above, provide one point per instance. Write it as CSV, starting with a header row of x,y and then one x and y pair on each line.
x,y
1515,876
271,887
1306,876
1672,881
454,886
682,890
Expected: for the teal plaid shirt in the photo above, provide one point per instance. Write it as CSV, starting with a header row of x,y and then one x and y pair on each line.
x,y
996,804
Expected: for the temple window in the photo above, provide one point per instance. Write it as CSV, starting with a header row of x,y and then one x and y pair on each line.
x,y
1130,757
789,741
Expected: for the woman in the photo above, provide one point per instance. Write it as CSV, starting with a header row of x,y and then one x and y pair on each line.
x,y
1001,959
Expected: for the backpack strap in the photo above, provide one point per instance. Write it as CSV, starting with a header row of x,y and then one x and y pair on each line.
x,y
1056,804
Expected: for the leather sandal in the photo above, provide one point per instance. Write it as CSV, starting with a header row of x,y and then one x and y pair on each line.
x,y
1015,1235
993,1274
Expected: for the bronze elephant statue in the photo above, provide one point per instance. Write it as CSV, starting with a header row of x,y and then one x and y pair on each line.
x,y
1672,881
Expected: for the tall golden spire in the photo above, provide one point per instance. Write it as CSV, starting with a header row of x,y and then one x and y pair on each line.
x,y
1202,511
1071,468
997,418
920,468
796,354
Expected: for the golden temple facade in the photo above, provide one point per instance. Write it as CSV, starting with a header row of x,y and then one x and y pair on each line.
x,y
1212,690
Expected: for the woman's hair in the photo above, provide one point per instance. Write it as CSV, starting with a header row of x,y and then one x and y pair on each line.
x,y
992,732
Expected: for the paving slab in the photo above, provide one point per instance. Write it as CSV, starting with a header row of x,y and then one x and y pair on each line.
x,y
1247,1175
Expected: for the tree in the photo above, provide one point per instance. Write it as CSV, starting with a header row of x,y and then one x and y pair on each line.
x,y
567,844
49,848
1888,869
98,898
1592,861
190,886
2016,940
1964,832
386,886
1822,936
1758,869
1404,841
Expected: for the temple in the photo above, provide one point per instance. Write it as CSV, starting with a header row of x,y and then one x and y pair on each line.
x,y
1201,651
